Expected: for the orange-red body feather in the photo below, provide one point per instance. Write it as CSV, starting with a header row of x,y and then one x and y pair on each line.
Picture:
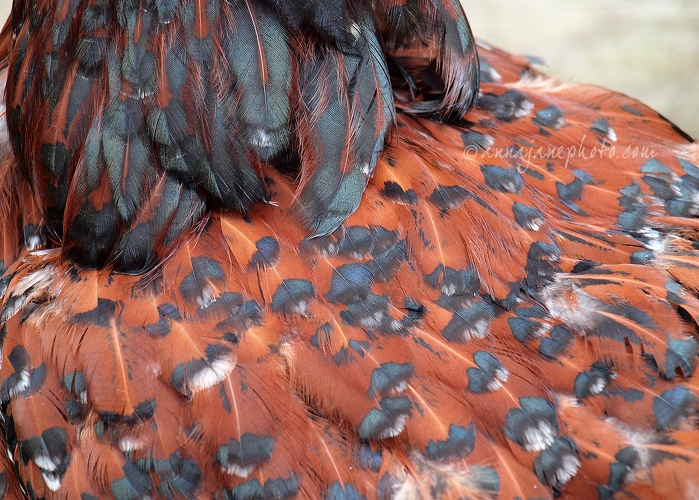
x,y
510,311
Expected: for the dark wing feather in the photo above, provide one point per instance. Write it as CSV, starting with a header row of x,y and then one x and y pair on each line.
x,y
344,121
202,92
433,54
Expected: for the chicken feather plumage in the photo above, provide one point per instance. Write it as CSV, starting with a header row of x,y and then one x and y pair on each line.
x,y
501,304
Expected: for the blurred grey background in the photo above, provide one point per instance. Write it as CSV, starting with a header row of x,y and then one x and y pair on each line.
x,y
648,49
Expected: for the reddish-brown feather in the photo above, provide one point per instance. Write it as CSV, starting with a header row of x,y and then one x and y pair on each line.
x,y
505,315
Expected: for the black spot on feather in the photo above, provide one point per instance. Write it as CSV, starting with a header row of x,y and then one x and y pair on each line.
x,y
394,192
100,315
267,254
448,197
385,422
452,281
372,314
476,141
527,217
292,297
506,107
336,491
49,452
558,464
389,377
507,180
488,376
551,117
673,407
534,425
193,286
23,380
273,489
356,242
245,455
135,484
183,374
350,283
680,357
525,329
470,323
166,312
593,381
178,477
557,342
460,443
384,265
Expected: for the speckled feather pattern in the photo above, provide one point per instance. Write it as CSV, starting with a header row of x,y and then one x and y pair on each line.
x,y
509,312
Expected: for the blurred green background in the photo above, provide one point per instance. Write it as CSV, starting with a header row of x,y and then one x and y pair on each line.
x,y
648,49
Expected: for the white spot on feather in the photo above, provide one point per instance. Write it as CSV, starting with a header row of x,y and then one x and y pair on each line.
x,y
639,440
33,242
479,329
563,400
501,376
45,463
42,278
494,385
569,467
142,94
237,470
22,384
449,290
570,304
535,224
459,479
540,437
355,30
650,233
400,387
659,245
212,374
329,251
493,74
486,142
694,210
53,481
128,443
598,386
372,320
4,135
654,239
396,429
261,139
207,297
510,186
676,186
525,108
301,308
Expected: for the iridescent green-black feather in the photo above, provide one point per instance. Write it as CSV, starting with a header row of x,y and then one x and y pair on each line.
x,y
124,93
